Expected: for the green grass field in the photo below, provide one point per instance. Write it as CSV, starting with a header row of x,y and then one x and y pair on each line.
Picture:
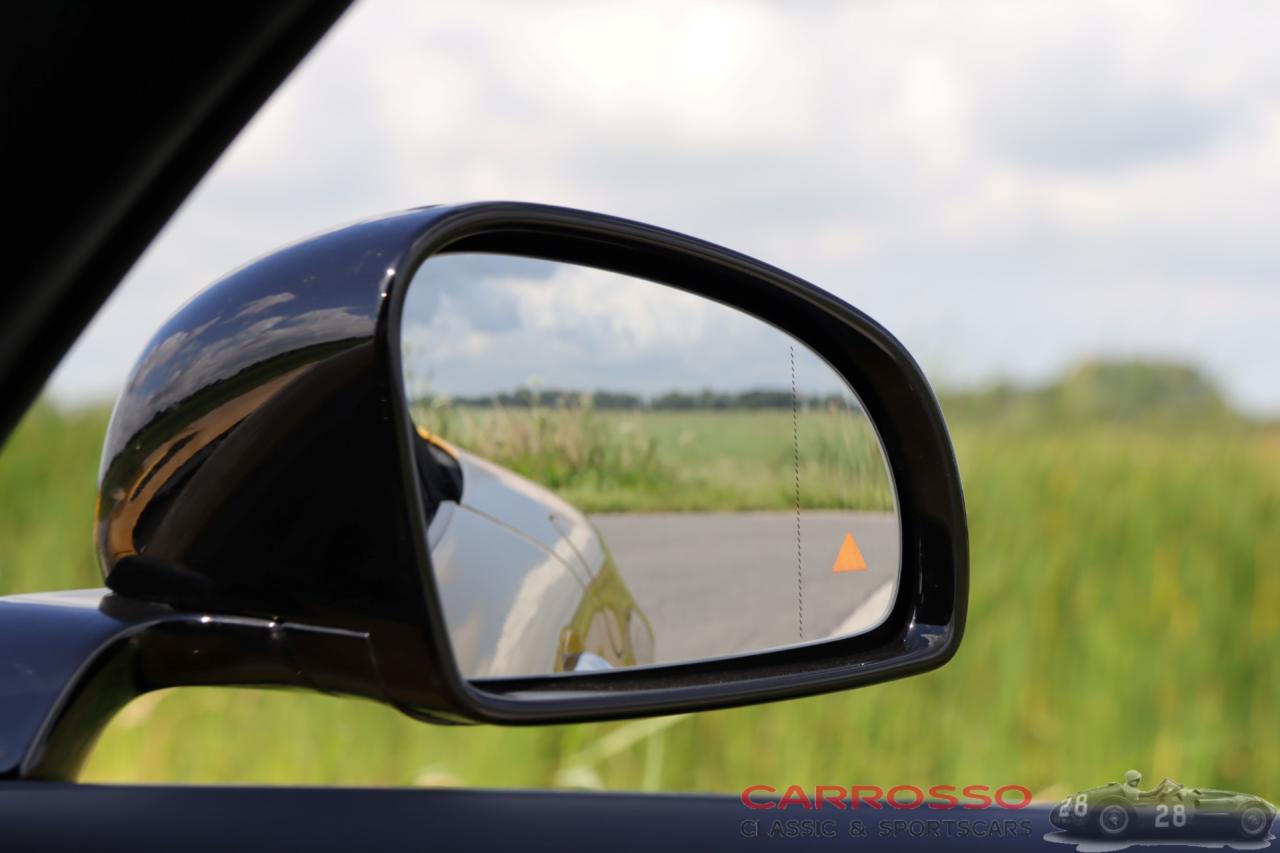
x,y
1125,581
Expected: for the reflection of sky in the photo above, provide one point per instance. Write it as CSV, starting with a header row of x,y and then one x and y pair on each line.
x,y
298,297
480,324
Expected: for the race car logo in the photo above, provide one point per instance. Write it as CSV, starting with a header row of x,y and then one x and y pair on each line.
x,y
1121,814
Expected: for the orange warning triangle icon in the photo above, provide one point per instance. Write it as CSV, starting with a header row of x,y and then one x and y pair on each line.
x,y
850,558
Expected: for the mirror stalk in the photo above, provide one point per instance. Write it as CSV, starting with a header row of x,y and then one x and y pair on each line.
x,y
76,658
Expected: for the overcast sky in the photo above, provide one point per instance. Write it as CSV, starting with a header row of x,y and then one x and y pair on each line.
x,y
1008,187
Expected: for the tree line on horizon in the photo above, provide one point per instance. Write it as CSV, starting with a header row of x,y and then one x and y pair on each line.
x,y
1100,390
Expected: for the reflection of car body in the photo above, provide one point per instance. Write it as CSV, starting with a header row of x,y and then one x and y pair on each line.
x,y
549,598
1169,809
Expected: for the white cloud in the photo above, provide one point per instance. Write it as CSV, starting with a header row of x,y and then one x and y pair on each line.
x,y
1008,187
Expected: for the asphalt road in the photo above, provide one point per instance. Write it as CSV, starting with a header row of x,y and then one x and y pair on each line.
x,y
715,584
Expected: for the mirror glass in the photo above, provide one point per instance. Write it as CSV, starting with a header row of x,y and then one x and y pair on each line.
x,y
620,473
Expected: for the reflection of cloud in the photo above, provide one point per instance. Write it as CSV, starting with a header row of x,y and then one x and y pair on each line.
x,y
585,329
185,361
259,305
488,309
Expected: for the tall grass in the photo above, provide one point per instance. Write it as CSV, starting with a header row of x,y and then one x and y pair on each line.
x,y
48,481
1123,613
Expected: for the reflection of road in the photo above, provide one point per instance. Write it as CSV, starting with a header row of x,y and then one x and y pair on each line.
x,y
718,583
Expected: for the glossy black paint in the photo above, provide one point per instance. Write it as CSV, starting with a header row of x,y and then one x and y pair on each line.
x,y
249,465
261,463
71,660
196,818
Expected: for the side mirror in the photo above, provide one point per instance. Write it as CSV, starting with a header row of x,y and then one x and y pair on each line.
x,y
512,463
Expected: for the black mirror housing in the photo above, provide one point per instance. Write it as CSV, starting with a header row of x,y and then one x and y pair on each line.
x,y
260,466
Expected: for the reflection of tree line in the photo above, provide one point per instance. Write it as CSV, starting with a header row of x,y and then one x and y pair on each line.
x,y
523,398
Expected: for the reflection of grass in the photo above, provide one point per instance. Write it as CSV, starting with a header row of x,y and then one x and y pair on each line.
x,y
1123,613
595,460
603,461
